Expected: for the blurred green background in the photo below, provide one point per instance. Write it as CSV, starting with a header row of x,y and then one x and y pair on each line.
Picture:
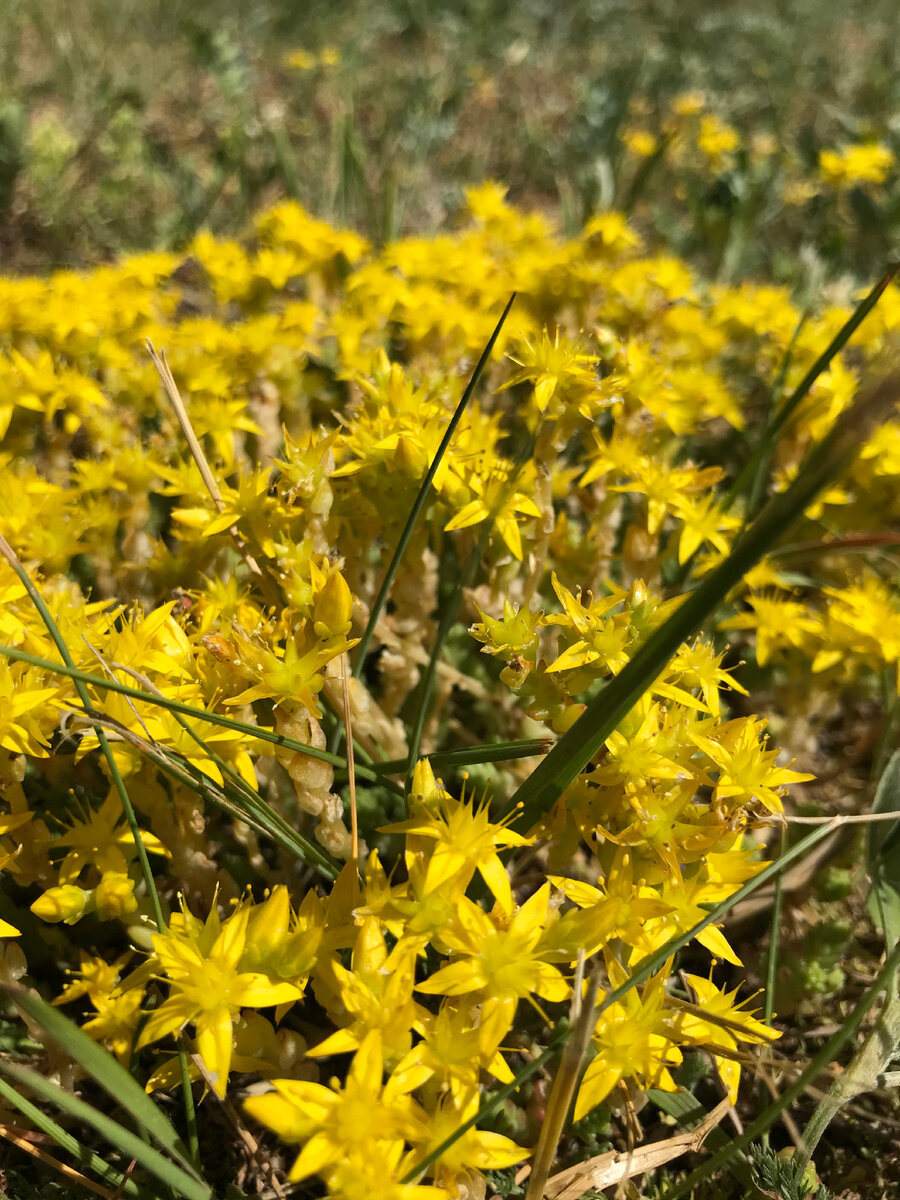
x,y
130,124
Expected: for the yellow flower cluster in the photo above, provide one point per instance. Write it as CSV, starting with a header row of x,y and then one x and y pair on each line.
x,y
868,162
319,375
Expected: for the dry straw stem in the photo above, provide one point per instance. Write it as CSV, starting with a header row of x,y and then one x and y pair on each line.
x,y
606,1170
168,382
23,1139
583,1016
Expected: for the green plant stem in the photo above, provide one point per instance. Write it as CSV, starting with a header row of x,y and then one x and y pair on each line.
x,y
423,494
860,1076
471,755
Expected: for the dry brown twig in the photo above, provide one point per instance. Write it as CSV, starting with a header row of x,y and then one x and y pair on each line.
x,y
606,1170
22,1139
171,389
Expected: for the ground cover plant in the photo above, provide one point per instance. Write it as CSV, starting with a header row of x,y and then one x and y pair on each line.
x,y
420,653
554,780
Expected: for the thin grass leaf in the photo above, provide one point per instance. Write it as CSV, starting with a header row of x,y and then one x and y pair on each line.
x,y
128,1143
770,433
827,1054
86,1159
175,706
245,805
883,855
571,754
760,479
468,756
105,1070
423,494
130,816
454,601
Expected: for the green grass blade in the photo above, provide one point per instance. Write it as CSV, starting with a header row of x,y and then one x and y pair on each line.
x,y
576,748
246,805
86,1159
770,433
105,1070
128,1143
813,1069
130,816
175,706
468,756
883,855
422,497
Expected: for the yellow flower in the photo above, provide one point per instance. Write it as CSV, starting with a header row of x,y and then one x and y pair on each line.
x,y
208,987
640,142
496,499
465,841
363,1118
716,140
502,963
735,1025
632,1040
746,770
867,162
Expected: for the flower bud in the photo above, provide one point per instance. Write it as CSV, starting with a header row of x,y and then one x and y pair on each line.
x,y
67,903
333,609
114,896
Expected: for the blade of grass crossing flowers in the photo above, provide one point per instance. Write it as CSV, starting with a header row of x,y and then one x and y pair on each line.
x,y
451,605
250,799
470,756
422,497
245,805
201,714
128,1143
86,1159
130,816
105,1070
645,968
492,1103
751,468
774,943
571,754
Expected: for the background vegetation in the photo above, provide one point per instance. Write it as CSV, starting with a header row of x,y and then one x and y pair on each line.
x,y
125,125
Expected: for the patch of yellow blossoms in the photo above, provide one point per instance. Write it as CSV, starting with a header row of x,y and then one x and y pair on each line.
x,y
320,374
